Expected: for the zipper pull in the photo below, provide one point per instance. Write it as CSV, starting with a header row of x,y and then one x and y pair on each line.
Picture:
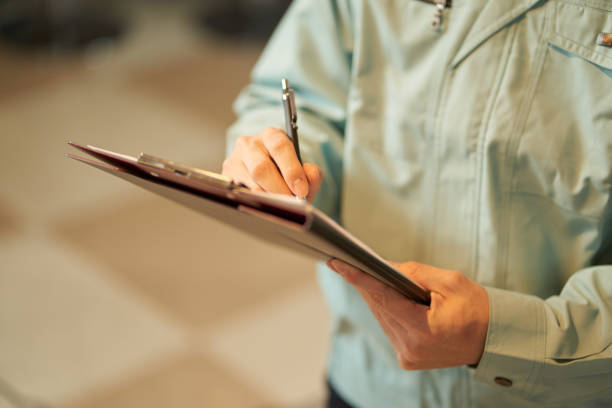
x,y
438,20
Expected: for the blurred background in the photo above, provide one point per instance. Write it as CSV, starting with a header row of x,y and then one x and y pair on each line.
x,y
111,296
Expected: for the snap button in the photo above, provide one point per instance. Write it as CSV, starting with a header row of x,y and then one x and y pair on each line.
x,y
604,39
504,382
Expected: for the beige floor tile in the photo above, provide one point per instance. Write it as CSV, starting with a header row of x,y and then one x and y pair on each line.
x,y
66,329
197,268
192,381
279,346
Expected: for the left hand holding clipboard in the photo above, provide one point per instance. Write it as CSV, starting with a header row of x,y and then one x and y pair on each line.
x,y
450,332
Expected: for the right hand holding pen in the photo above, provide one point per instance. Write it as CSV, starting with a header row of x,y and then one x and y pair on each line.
x,y
267,162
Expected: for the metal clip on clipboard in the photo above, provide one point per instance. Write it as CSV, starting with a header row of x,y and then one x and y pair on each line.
x,y
216,179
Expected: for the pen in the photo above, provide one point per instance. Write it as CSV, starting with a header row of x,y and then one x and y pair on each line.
x,y
291,116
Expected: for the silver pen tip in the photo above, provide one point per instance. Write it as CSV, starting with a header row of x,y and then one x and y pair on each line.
x,y
285,84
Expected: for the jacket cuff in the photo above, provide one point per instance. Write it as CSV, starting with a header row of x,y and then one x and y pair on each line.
x,y
515,344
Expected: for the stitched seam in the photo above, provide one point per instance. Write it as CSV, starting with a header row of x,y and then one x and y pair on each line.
x,y
490,339
436,152
540,365
600,5
529,390
480,150
436,127
582,49
512,147
491,30
524,114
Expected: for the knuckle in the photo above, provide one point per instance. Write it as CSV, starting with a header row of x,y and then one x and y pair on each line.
x,y
260,170
405,361
252,142
277,143
405,364
243,140
412,268
226,166
268,131
454,278
271,129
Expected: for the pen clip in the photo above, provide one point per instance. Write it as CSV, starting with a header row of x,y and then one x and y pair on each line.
x,y
289,102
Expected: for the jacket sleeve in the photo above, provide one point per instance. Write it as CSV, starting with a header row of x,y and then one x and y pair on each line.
x,y
311,47
553,350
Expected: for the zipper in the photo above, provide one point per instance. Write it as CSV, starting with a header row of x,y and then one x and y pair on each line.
x,y
441,7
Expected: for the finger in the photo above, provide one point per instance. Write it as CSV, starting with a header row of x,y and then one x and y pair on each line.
x,y
315,178
432,278
390,328
260,166
389,299
395,333
235,169
282,151
356,277
398,331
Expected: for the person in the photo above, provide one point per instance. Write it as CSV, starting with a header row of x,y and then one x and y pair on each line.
x,y
479,154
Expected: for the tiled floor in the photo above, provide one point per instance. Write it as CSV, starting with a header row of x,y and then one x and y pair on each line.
x,y
111,296
188,381
188,283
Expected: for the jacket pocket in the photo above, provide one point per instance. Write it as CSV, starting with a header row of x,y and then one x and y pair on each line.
x,y
565,152
576,25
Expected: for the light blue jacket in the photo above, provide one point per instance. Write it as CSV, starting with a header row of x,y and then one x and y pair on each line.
x,y
485,147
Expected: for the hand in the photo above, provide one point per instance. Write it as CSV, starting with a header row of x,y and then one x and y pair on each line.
x,y
450,332
268,162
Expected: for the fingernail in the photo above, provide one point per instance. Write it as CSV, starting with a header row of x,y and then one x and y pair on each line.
x,y
300,188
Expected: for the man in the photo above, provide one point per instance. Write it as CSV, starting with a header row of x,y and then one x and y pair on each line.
x,y
481,152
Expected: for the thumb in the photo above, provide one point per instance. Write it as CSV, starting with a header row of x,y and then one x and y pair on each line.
x,y
425,275
315,178
432,278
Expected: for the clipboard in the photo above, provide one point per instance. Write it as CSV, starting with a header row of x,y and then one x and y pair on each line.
x,y
281,220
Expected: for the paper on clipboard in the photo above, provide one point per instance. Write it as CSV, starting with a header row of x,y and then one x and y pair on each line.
x,y
281,220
